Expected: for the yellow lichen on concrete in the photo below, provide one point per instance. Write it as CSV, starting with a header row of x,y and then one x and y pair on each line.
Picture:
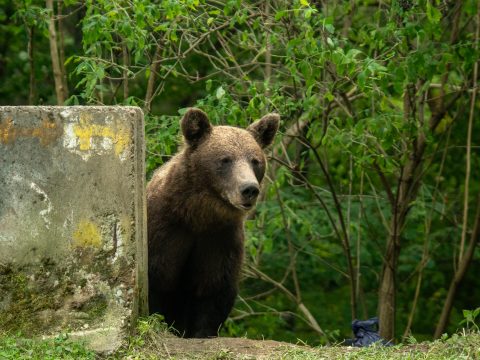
x,y
7,131
86,131
87,234
47,132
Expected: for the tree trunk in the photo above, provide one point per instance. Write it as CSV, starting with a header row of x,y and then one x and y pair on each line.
x,y
406,194
469,142
31,92
61,50
151,79
57,73
268,52
387,293
408,184
125,70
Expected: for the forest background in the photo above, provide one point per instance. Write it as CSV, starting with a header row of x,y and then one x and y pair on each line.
x,y
372,202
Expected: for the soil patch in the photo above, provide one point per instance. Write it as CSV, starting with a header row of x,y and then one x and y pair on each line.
x,y
171,347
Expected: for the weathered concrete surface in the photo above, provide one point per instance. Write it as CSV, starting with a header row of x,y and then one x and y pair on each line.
x,y
72,221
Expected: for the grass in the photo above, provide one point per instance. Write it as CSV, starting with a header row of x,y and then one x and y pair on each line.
x,y
19,348
458,346
153,341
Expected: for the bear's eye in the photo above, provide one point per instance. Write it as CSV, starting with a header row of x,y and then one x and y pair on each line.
x,y
226,160
255,162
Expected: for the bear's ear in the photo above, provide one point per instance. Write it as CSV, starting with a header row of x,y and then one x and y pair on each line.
x,y
264,130
195,126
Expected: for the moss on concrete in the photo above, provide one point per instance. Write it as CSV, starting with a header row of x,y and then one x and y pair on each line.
x,y
47,297
28,292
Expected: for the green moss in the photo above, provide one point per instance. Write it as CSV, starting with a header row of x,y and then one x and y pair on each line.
x,y
45,297
95,307
24,298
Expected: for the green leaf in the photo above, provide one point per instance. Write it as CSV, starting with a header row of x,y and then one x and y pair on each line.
x,y
329,96
433,14
70,58
220,93
279,15
162,27
330,28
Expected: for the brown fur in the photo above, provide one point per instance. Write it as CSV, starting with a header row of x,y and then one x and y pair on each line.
x,y
197,204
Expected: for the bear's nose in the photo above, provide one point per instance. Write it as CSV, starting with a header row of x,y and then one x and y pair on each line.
x,y
249,191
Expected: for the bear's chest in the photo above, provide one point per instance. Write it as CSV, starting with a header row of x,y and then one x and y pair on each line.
x,y
215,258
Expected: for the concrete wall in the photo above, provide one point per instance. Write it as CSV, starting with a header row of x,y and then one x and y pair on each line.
x,y
72,221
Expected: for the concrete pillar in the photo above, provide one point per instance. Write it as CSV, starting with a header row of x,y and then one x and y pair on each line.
x,y
72,221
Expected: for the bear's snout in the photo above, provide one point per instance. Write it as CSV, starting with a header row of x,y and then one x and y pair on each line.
x,y
243,191
249,193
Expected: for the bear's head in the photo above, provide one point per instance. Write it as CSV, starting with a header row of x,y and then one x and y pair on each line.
x,y
229,161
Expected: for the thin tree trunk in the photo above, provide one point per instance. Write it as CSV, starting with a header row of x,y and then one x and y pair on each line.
x,y
61,32
31,92
57,72
268,51
469,143
151,79
387,293
125,71
414,303
359,290
407,192
348,19
458,276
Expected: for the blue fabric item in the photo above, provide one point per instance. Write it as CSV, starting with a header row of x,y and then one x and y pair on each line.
x,y
366,333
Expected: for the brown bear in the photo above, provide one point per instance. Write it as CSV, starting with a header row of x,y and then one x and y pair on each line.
x,y
197,203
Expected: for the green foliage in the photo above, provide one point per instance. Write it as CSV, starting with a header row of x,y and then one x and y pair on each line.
x,y
471,319
60,347
148,331
161,140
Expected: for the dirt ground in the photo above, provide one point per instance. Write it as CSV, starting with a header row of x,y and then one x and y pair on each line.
x,y
171,347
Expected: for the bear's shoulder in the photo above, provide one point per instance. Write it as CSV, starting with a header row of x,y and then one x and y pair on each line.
x,y
161,175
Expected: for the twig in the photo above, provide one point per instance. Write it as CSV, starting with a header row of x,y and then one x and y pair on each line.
x,y
126,61
291,251
469,144
166,349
